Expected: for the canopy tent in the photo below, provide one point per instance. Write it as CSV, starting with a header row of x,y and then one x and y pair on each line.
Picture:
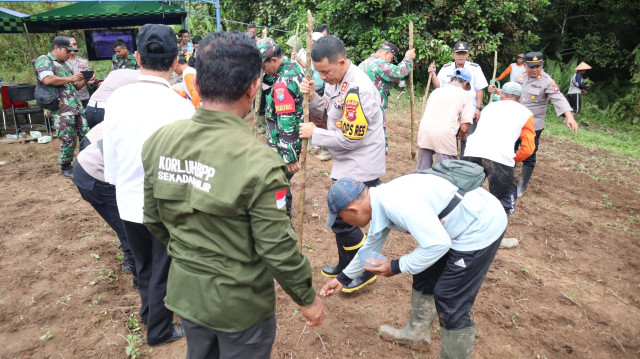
x,y
11,21
105,14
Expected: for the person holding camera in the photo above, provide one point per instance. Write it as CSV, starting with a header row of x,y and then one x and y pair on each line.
x,y
67,112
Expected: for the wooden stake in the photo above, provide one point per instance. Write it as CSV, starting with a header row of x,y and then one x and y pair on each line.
x,y
426,93
411,98
303,153
495,69
257,102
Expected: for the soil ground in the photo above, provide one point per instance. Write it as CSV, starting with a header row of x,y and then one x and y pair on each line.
x,y
571,289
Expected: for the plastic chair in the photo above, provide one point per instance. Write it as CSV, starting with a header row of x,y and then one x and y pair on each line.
x,y
6,103
22,94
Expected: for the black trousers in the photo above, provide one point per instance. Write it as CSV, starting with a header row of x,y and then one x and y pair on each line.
x,y
152,264
454,281
102,197
531,160
346,234
463,143
252,343
502,181
94,115
575,101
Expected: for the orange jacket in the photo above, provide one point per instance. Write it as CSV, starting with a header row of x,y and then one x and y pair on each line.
x,y
527,141
189,81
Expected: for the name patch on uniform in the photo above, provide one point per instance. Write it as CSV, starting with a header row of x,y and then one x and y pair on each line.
x,y
283,100
281,198
185,171
555,86
354,124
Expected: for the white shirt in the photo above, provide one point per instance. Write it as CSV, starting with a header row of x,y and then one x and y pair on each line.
x,y
411,203
478,81
133,112
516,71
497,131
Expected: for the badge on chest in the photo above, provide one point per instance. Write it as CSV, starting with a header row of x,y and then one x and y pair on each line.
x,y
283,100
354,124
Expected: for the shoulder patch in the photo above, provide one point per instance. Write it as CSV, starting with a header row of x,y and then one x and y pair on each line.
x,y
473,64
354,124
447,65
555,86
282,99
521,78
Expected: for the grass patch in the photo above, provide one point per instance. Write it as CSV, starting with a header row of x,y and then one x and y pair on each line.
x,y
619,141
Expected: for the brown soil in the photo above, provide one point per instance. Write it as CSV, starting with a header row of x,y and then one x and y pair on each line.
x,y
571,289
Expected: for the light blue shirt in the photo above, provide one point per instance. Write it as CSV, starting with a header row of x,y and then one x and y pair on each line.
x,y
412,203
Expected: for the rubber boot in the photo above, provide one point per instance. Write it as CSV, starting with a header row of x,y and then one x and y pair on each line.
x,y
525,175
344,258
360,282
323,154
458,343
418,330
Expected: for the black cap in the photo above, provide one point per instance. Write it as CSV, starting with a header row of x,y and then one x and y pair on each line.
x,y
533,58
63,41
461,46
159,34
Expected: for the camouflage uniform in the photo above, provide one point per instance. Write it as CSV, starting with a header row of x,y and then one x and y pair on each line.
x,y
127,63
68,120
284,113
382,74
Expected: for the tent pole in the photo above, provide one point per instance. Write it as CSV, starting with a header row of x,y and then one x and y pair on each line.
x,y
217,5
28,37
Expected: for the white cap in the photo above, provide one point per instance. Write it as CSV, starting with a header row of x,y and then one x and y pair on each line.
x,y
316,35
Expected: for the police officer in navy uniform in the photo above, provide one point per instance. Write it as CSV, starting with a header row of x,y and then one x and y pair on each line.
x,y
538,88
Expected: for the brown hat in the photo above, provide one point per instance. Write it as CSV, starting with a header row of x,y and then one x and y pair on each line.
x,y
583,66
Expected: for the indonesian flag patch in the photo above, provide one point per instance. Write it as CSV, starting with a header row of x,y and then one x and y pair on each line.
x,y
281,200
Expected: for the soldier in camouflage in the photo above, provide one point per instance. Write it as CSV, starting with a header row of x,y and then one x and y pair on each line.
x,y
68,120
122,59
283,108
382,72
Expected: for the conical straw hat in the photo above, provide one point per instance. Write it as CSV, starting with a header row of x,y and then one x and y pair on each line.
x,y
583,66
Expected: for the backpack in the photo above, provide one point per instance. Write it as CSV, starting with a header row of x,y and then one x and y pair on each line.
x,y
465,175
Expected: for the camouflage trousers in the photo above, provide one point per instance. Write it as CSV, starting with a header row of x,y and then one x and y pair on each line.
x,y
70,129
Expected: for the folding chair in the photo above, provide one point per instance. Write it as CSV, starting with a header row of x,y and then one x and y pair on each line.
x,y
24,93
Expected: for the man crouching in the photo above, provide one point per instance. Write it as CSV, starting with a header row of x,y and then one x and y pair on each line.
x,y
450,262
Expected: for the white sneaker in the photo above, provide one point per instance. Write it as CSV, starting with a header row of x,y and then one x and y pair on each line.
x,y
508,242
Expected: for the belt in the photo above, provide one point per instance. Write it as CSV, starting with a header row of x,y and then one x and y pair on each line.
x,y
97,104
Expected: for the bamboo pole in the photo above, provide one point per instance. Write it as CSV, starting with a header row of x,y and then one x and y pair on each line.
x,y
303,153
258,101
495,69
426,93
411,98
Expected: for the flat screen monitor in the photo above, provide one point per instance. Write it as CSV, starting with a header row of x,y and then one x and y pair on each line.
x,y
100,42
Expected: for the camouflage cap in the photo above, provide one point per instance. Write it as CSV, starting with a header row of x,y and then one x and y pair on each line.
x,y
390,47
266,47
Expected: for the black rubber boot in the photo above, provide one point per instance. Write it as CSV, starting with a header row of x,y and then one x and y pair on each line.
x,y
360,282
344,258
66,170
525,176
